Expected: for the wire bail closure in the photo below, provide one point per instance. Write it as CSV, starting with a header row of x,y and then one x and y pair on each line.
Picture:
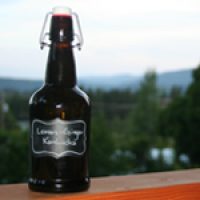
x,y
79,36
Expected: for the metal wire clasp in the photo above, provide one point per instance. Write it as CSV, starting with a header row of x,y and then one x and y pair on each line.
x,y
78,36
42,34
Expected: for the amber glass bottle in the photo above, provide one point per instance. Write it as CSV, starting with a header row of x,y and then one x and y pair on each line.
x,y
59,118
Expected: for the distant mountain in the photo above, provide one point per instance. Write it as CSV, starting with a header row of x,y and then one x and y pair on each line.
x,y
109,82
19,85
181,78
178,78
166,81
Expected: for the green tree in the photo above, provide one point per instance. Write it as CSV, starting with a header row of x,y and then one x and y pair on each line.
x,y
7,119
101,147
180,121
18,104
189,141
14,156
143,120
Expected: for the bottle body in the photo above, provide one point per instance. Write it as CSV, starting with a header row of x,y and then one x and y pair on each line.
x,y
59,119
60,165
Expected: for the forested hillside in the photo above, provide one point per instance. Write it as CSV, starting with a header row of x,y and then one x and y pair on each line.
x,y
131,132
165,81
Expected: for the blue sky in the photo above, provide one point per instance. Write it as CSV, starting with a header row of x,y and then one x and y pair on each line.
x,y
121,37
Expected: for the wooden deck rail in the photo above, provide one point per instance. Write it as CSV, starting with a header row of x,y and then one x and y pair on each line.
x,y
177,185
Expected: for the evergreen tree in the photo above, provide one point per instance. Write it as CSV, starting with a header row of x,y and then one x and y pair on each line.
x,y
14,156
181,121
101,147
189,141
143,120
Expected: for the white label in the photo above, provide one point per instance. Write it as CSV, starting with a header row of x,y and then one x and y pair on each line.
x,y
58,138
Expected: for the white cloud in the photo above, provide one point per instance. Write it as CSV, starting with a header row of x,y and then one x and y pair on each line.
x,y
120,36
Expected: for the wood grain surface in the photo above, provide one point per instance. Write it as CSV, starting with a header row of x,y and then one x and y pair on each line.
x,y
177,185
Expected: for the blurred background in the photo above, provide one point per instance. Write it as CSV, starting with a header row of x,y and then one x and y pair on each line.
x,y
140,67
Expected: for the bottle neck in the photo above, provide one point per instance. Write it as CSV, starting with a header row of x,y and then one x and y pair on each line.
x,y
61,68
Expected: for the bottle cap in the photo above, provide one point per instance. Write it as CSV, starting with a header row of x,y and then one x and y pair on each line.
x,y
62,11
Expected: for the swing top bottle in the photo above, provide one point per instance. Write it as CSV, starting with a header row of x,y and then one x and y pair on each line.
x,y
59,117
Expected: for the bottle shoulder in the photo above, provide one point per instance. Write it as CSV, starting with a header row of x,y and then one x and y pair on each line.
x,y
57,94
82,94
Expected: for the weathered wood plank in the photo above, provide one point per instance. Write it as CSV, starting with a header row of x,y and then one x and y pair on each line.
x,y
177,185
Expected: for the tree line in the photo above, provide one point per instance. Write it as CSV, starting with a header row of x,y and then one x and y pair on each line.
x,y
131,131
